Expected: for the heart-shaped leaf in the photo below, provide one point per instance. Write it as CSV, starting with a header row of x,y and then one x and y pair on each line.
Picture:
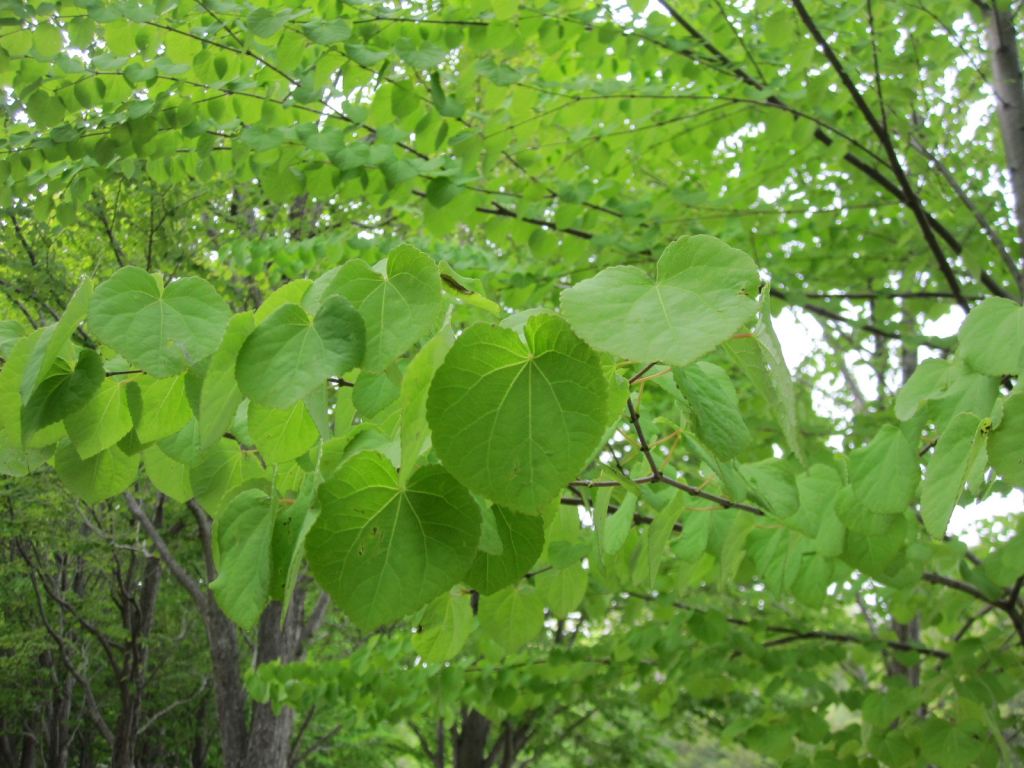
x,y
290,353
515,421
383,549
161,330
702,294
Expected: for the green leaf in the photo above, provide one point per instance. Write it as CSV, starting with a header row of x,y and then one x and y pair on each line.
x,y
656,540
618,525
929,379
46,110
444,629
282,434
242,534
102,422
1006,564
183,446
885,473
715,406
222,468
415,432
263,22
947,472
950,744
810,586
876,553
161,330
11,331
62,393
328,32
512,617
293,520
816,492
562,589
760,357
992,337
399,307
693,542
771,484
290,353
15,458
163,405
516,421
466,289
1006,445
781,558
383,549
53,340
522,541
490,539
220,396
168,476
290,293
376,391
702,295
99,477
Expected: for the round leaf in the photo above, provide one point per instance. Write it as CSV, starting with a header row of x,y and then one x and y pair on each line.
x,y
243,532
383,550
513,617
516,421
1006,444
282,434
103,421
99,477
885,473
947,472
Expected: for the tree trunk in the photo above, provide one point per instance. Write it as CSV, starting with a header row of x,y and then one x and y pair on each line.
x,y
1009,90
265,740
471,741
439,755
227,684
199,744
28,752
270,735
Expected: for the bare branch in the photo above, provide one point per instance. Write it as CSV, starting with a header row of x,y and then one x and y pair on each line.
x,y
177,569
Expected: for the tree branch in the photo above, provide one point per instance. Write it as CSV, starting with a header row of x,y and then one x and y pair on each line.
x,y
960,586
177,570
205,538
119,254
94,710
979,217
894,162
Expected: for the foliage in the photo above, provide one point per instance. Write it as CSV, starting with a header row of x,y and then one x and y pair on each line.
x,y
469,312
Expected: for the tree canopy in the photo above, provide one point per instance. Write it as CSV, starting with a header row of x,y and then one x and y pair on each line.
x,y
436,354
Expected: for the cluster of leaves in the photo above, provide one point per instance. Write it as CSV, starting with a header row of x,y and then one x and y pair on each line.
x,y
513,411
333,398
443,459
